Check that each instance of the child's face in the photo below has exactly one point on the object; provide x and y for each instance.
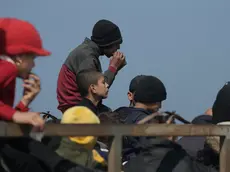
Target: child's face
(109, 51)
(25, 64)
(101, 89)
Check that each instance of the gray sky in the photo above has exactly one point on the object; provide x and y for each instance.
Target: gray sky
(184, 43)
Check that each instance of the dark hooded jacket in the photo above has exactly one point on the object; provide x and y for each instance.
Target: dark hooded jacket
(196, 143)
(161, 155)
(26, 155)
(131, 115)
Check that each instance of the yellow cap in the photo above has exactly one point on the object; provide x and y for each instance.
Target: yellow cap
(80, 115)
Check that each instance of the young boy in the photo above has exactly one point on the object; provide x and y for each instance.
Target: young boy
(105, 40)
(147, 98)
(93, 89)
(20, 45)
(132, 88)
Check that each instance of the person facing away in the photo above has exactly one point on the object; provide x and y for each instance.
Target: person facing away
(93, 88)
(146, 99)
(194, 144)
(20, 45)
(148, 96)
(132, 88)
(213, 144)
(160, 154)
(105, 40)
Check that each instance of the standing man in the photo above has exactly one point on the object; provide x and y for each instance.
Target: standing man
(105, 40)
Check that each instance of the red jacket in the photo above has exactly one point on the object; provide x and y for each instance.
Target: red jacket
(85, 56)
(8, 74)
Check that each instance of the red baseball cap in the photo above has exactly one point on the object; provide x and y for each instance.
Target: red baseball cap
(18, 37)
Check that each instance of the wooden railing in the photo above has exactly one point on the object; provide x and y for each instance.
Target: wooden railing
(15, 130)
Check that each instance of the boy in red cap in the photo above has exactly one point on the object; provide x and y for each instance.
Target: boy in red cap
(20, 44)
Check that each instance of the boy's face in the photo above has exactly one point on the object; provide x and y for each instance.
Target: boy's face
(101, 88)
(109, 51)
(25, 64)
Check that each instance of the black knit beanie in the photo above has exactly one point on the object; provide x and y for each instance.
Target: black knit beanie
(134, 82)
(150, 90)
(106, 33)
(221, 106)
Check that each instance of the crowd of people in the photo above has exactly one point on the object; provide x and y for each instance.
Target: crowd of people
(81, 88)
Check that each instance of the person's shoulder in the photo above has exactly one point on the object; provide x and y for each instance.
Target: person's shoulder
(8, 66)
(188, 163)
(82, 51)
(8, 71)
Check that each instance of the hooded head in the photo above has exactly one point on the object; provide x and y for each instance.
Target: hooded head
(221, 106)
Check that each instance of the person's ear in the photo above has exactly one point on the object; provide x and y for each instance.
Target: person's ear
(130, 96)
(92, 88)
(208, 112)
(18, 60)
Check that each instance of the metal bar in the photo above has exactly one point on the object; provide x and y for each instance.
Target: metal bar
(225, 155)
(115, 155)
(15, 130)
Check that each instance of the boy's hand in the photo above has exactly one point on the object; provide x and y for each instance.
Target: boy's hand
(31, 89)
(32, 118)
(118, 60)
(123, 64)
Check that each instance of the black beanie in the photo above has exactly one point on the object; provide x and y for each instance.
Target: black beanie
(134, 83)
(150, 90)
(106, 33)
(221, 106)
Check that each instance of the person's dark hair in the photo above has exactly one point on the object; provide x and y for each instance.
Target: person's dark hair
(85, 78)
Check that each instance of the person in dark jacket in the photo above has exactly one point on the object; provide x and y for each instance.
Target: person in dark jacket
(26, 154)
(132, 88)
(147, 99)
(213, 144)
(162, 155)
(148, 96)
(196, 143)
(105, 40)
